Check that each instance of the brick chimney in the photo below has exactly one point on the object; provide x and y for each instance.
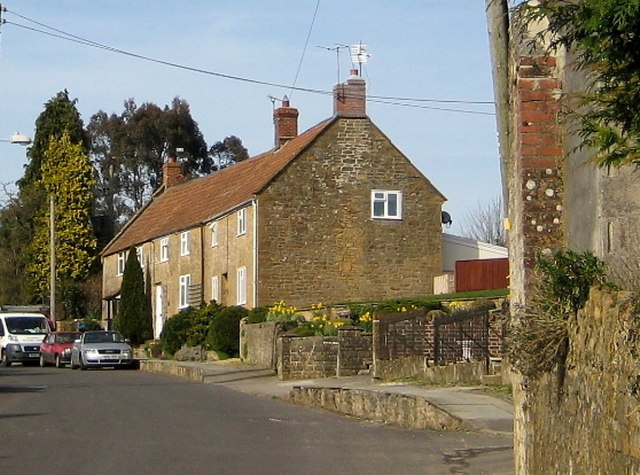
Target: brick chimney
(171, 172)
(285, 119)
(350, 98)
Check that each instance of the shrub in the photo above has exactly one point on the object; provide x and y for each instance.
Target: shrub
(176, 331)
(539, 341)
(258, 315)
(224, 332)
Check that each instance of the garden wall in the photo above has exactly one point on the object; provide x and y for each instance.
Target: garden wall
(258, 343)
(588, 421)
(323, 357)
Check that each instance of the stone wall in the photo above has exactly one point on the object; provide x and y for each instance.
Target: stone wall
(355, 351)
(324, 357)
(307, 357)
(590, 421)
(258, 343)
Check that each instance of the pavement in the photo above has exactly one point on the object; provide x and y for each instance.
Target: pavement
(474, 407)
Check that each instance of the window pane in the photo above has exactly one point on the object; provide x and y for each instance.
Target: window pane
(392, 202)
(378, 208)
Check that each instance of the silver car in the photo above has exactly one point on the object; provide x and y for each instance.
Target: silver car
(96, 349)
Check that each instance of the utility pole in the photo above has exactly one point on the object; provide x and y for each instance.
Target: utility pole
(497, 12)
(52, 258)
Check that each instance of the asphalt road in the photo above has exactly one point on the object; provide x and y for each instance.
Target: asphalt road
(105, 421)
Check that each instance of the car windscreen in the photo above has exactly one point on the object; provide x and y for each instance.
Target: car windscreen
(66, 337)
(103, 337)
(27, 325)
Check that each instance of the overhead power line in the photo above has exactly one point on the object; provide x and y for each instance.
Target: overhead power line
(388, 100)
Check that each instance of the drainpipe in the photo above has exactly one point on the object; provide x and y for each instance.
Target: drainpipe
(255, 252)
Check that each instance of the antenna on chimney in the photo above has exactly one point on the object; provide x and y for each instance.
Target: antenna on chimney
(337, 49)
(359, 55)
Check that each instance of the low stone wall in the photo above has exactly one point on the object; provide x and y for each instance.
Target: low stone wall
(420, 368)
(389, 408)
(307, 357)
(192, 373)
(258, 343)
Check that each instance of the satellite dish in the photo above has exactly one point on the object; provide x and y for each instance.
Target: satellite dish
(446, 219)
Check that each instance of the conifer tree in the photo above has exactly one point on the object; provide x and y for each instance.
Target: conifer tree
(68, 177)
(134, 315)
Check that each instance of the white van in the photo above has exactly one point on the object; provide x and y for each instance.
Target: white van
(21, 335)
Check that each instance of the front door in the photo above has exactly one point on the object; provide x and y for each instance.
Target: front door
(159, 312)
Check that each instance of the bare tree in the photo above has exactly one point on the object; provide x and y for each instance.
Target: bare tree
(485, 223)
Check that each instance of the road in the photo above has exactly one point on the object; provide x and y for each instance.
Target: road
(105, 421)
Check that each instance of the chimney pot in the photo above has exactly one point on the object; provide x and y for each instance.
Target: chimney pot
(285, 119)
(171, 172)
(350, 97)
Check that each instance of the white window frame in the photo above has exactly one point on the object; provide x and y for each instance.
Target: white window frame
(241, 286)
(140, 256)
(382, 197)
(122, 261)
(214, 234)
(183, 290)
(215, 288)
(184, 243)
(242, 221)
(164, 249)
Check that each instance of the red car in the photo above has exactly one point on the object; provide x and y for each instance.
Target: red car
(56, 348)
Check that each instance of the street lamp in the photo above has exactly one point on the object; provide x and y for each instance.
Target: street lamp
(18, 139)
(21, 139)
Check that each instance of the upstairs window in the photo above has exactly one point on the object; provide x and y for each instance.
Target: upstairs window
(386, 204)
(164, 249)
(184, 243)
(214, 234)
(140, 255)
(122, 259)
(242, 221)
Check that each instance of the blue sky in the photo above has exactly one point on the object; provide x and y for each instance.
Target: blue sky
(422, 49)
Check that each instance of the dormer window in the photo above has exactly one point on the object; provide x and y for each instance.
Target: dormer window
(386, 204)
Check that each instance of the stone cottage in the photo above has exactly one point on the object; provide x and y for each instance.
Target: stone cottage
(334, 214)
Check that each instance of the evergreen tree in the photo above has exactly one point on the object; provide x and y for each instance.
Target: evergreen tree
(67, 176)
(59, 116)
(134, 315)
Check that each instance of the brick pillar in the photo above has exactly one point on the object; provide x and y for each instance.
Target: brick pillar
(536, 186)
(536, 191)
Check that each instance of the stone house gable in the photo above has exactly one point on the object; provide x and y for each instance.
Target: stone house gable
(317, 239)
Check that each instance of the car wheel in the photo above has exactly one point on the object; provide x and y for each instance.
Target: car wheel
(71, 365)
(42, 363)
(5, 360)
(81, 363)
(58, 362)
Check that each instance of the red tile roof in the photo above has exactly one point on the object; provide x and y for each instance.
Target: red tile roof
(197, 201)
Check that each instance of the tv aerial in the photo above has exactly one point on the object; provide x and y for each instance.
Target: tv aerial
(359, 55)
